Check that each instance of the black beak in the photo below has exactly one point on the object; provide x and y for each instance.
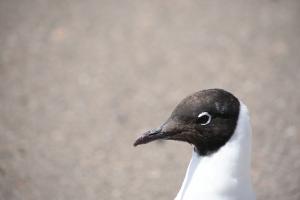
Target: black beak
(166, 132)
(150, 136)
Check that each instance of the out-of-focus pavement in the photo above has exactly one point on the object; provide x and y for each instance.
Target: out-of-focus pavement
(80, 80)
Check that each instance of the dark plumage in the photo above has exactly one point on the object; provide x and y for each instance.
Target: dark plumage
(216, 107)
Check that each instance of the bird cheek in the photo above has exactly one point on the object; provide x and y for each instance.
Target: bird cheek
(199, 129)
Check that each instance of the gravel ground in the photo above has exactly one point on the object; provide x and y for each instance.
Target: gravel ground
(80, 80)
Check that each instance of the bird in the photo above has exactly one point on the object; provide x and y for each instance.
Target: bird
(217, 125)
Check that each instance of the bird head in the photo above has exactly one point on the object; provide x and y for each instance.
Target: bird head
(205, 119)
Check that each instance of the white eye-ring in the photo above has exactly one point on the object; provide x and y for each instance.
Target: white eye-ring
(204, 118)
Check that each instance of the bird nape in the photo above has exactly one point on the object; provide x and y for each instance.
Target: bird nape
(217, 124)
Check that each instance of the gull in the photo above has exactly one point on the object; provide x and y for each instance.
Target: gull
(217, 125)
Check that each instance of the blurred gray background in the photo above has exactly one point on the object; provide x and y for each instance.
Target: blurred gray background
(80, 80)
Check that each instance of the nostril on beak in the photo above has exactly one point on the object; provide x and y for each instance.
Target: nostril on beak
(155, 131)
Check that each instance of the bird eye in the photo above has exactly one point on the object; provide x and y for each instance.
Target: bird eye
(204, 118)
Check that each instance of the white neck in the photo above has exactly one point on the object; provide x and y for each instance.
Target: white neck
(225, 174)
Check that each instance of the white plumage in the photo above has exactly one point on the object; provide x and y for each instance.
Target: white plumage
(225, 174)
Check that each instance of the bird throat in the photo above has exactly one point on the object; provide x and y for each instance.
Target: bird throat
(224, 174)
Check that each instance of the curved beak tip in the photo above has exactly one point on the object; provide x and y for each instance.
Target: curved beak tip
(149, 136)
(138, 141)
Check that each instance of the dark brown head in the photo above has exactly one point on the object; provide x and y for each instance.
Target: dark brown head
(206, 119)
